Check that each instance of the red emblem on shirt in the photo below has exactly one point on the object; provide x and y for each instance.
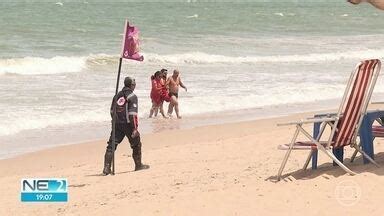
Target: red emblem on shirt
(121, 101)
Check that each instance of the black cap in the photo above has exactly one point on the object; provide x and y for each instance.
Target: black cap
(163, 70)
(128, 81)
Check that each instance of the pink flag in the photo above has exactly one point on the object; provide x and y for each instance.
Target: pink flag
(131, 43)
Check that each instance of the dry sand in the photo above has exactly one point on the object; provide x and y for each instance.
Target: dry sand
(227, 169)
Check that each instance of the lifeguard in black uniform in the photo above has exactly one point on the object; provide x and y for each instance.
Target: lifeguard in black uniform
(126, 105)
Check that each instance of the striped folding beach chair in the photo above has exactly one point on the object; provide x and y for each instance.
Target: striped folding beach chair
(345, 124)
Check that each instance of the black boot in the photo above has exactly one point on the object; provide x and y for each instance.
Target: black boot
(107, 162)
(137, 159)
(140, 166)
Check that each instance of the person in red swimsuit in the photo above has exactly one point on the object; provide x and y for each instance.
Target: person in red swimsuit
(163, 91)
(156, 94)
(164, 88)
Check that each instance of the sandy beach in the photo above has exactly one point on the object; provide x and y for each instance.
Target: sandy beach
(227, 169)
(244, 67)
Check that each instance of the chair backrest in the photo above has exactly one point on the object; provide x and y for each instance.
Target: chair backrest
(355, 102)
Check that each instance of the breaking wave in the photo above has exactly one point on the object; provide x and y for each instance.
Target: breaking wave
(72, 64)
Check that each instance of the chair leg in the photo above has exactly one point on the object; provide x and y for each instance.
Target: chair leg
(358, 149)
(354, 155)
(327, 152)
(287, 154)
(308, 159)
(330, 154)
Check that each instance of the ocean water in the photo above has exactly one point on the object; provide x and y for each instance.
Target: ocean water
(59, 60)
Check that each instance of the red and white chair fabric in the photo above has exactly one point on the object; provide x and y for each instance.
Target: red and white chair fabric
(378, 131)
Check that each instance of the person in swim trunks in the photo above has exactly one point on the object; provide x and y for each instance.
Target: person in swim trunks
(174, 82)
(174, 94)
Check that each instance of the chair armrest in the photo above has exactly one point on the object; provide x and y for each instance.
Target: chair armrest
(377, 102)
(325, 115)
(307, 121)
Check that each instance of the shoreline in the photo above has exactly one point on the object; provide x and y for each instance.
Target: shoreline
(15, 144)
(229, 167)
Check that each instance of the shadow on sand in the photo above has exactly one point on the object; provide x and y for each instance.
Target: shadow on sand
(357, 166)
(101, 174)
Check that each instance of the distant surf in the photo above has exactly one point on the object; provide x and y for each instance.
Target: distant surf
(71, 64)
(39, 65)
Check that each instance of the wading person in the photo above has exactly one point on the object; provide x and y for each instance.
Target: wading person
(174, 82)
(164, 91)
(156, 95)
(126, 105)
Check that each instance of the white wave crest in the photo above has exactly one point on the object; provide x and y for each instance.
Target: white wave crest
(37, 65)
(193, 16)
(43, 120)
(71, 64)
(54, 65)
(204, 58)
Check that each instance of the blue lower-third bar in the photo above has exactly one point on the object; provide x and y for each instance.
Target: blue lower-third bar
(44, 197)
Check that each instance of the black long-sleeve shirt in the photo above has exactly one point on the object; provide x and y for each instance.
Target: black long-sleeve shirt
(126, 104)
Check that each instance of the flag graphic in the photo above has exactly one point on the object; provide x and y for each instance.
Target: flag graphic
(131, 43)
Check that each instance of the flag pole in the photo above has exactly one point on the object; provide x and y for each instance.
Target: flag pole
(128, 44)
(114, 118)
(114, 102)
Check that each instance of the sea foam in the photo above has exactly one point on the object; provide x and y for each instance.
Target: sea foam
(71, 64)
(38, 65)
(204, 58)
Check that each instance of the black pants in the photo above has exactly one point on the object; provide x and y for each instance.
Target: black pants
(125, 130)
